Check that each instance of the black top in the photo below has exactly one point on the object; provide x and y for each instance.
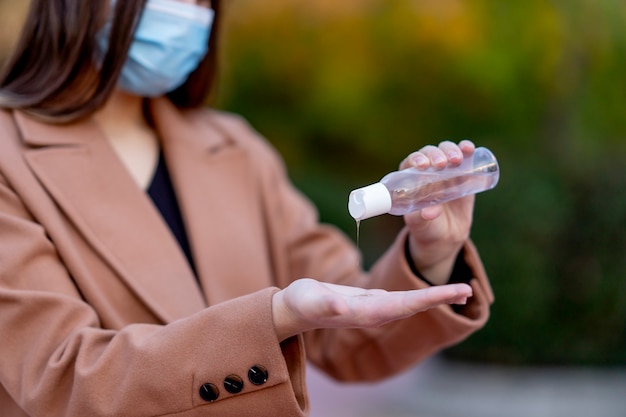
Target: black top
(163, 196)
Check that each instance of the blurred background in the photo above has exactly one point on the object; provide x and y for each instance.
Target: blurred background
(346, 89)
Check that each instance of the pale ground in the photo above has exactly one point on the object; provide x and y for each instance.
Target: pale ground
(438, 388)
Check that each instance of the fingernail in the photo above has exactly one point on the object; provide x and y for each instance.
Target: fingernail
(437, 159)
(419, 160)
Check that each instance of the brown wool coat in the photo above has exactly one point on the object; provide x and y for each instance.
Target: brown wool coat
(101, 315)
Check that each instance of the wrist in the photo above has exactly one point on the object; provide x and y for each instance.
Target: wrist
(434, 266)
(285, 324)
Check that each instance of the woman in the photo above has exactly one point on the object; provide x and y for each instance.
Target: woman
(154, 257)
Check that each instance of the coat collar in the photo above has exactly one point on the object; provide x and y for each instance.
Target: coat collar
(170, 123)
(79, 168)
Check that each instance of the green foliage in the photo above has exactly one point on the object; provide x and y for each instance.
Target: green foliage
(557, 261)
(347, 89)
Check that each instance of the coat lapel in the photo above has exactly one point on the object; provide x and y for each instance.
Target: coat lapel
(215, 189)
(81, 171)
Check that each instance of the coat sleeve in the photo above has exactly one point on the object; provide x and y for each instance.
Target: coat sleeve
(57, 360)
(306, 248)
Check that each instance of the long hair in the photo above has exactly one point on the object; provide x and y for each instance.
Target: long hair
(52, 73)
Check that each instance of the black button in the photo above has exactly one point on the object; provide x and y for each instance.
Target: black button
(233, 384)
(258, 375)
(209, 392)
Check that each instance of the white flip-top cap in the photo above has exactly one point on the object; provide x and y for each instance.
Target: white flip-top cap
(372, 200)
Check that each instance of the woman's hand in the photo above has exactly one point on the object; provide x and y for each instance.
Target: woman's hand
(308, 304)
(437, 233)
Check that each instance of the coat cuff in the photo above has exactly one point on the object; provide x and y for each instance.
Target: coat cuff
(399, 276)
(271, 375)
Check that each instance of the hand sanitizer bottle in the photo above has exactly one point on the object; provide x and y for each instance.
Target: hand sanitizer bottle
(402, 192)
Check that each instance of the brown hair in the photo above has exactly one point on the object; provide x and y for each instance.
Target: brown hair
(52, 73)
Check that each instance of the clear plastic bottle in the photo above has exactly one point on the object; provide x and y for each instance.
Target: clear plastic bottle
(402, 192)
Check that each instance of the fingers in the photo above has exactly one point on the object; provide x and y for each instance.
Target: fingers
(397, 304)
(373, 310)
(431, 213)
(438, 157)
(467, 147)
(441, 294)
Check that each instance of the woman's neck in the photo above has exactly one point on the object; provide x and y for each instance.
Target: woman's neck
(121, 113)
(135, 142)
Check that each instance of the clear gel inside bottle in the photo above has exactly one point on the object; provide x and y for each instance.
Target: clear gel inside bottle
(402, 192)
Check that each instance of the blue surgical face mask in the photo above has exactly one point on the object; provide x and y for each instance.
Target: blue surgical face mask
(169, 43)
